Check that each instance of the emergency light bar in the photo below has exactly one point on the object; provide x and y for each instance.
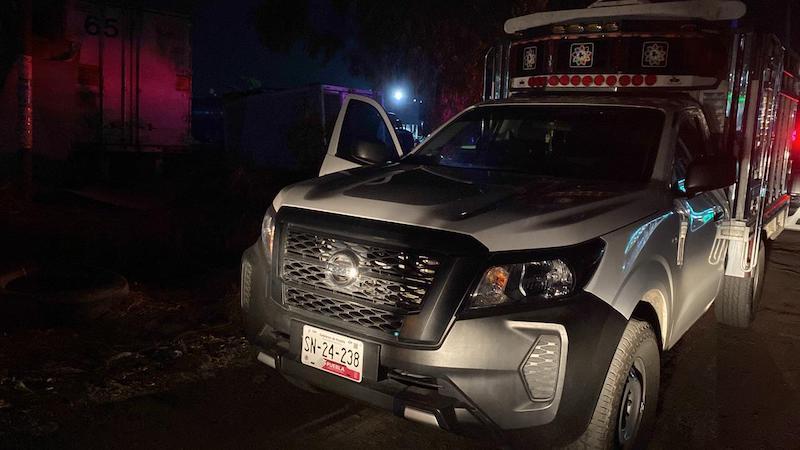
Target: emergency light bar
(711, 10)
(613, 81)
(687, 59)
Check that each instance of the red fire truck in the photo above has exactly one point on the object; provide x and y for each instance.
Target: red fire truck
(747, 82)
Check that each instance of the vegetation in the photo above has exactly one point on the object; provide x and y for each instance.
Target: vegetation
(435, 48)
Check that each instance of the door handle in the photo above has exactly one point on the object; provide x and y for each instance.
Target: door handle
(681, 209)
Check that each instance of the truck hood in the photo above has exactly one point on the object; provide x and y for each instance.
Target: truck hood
(502, 210)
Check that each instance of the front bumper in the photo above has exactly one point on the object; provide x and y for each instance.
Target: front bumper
(469, 383)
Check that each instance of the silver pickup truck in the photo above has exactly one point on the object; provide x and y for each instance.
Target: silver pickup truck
(522, 251)
(518, 274)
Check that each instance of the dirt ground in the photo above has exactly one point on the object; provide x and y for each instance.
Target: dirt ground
(165, 366)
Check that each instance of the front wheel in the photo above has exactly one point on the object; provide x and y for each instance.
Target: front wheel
(625, 412)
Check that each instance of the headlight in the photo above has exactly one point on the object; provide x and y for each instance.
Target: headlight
(268, 232)
(514, 283)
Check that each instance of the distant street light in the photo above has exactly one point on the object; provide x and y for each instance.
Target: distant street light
(398, 94)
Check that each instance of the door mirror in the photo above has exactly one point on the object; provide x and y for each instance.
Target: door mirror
(708, 173)
(406, 139)
(363, 135)
(372, 152)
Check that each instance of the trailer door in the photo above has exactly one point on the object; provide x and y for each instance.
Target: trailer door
(363, 135)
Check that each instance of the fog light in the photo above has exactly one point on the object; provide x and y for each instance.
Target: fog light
(540, 370)
(247, 278)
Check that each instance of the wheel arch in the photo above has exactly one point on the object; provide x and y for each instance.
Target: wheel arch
(652, 310)
(648, 291)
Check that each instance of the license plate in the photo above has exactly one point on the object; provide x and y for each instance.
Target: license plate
(332, 353)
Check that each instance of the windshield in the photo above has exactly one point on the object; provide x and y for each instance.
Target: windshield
(572, 141)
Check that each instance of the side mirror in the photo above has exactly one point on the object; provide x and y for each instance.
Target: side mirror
(708, 173)
(406, 139)
(371, 152)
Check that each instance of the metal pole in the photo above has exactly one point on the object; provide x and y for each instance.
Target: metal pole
(25, 103)
(789, 41)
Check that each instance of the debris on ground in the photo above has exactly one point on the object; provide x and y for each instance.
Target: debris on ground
(154, 340)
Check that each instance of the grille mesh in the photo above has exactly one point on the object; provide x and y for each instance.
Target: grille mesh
(390, 283)
(378, 290)
(350, 312)
(373, 260)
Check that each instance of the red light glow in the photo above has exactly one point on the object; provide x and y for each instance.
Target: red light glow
(611, 80)
(537, 81)
(625, 80)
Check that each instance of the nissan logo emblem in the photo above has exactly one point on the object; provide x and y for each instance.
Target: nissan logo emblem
(342, 268)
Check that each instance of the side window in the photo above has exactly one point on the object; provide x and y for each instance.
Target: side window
(363, 125)
(690, 144)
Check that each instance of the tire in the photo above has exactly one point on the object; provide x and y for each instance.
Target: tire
(738, 299)
(637, 356)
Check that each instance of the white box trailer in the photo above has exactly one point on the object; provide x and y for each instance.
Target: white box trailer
(746, 80)
(107, 78)
(134, 67)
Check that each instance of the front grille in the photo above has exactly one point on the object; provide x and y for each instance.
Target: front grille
(389, 284)
(377, 290)
(343, 310)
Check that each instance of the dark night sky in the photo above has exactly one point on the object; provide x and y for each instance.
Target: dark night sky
(226, 47)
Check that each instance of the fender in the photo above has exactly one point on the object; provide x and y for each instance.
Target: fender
(650, 283)
(646, 274)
